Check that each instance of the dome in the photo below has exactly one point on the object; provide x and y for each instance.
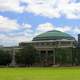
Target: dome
(53, 35)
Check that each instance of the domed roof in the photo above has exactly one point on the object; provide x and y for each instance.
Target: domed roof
(53, 35)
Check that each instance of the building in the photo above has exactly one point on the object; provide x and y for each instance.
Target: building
(46, 45)
(50, 40)
(47, 42)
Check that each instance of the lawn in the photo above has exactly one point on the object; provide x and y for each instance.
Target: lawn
(69, 73)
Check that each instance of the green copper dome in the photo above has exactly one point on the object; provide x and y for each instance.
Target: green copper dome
(53, 35)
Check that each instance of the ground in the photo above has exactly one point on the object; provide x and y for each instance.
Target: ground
(62, 73)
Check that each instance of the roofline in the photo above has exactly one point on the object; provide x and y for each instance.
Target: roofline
(47, 41)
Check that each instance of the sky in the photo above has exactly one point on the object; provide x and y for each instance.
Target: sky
(21, 20)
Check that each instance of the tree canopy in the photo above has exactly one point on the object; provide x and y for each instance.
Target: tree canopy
(26, 56)
(5, 57)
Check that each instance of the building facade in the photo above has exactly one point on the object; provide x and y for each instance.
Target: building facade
(47, 43)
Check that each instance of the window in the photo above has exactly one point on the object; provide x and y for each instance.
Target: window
(65, 43)
(48, 43)
(43, 51)
(41, 43)
(50, 52)
(53, 43)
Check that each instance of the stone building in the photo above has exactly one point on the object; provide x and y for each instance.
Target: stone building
(47, 42)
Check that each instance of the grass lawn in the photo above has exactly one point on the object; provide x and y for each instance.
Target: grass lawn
(69, 73)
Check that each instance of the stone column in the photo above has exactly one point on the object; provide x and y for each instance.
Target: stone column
(59, 44)
(54, 57)
(13, 63)
(40, 57)
(46, 58)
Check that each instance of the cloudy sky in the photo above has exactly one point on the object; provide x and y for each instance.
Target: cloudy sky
(21, 20)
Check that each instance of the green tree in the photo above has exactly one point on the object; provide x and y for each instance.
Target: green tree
(5, 57)
(64, 56)
(76, 56)
(26, 56)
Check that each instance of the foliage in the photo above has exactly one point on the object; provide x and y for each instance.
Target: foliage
(5, 57)
(64, 56)
(26, 56)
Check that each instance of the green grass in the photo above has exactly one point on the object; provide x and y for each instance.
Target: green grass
(69, 73)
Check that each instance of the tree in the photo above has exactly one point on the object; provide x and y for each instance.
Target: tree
(5, 57)
(64, 56)
(76, 56)
(26, 56)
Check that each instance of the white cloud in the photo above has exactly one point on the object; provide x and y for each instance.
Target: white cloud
(27, 26)
(44, 8)
(44, 27)
(14, 32)
(64, 29)
(71, 10)
(47, 8)
(11, 5)
(54, 8)
(76, 30)
(13, 40)
(7, 24)
(48, 26)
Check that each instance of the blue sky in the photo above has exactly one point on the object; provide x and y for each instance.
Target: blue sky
(21, 20)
